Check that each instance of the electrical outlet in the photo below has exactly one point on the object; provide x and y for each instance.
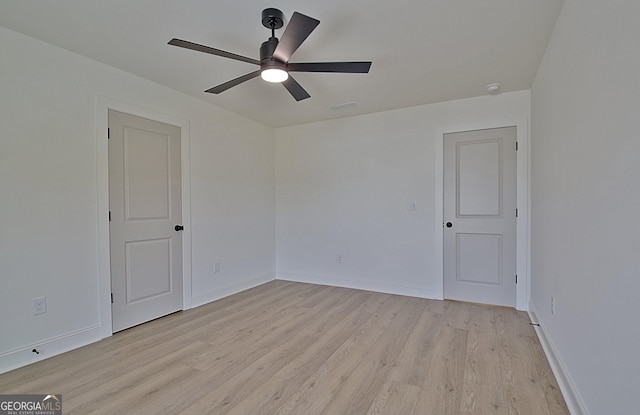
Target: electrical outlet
(553, 306)
(216, 268)
(39, 305)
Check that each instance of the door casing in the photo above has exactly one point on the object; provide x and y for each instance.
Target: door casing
(103, 105)
(522, 195)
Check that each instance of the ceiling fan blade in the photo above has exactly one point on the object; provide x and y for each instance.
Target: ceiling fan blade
(342, 67)
(295, 89)
(230, 84)
(298, 29)
(206, 49)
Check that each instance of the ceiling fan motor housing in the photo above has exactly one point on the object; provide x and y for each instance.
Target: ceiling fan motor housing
(267, 49)
(267, 61)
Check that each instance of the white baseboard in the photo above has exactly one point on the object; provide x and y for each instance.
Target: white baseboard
(23, 356)
(381, 287)
(209, 296)
(568, 388)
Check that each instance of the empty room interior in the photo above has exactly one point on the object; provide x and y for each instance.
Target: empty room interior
(435, 213)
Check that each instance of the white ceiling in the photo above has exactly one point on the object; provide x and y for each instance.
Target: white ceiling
(423, 51)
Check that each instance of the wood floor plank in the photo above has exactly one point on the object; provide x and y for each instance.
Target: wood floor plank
(293, 348)
(442, 389)
(555, 401)
(45, 372)
(481, 393)
(267, 398)
(145, 397)
(270, 317)
(418, 350)
(370, 375)
(314, 394)
(518, 370)
(269, 334)
(241, 385)
(87, 375)
(103, 395)
(208, 317)
(237, 357)
(395, 399)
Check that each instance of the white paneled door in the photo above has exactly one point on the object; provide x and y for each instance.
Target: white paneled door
(480, 216)
(145, 204)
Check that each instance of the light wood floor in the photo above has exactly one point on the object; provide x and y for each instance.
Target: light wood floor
(302, 349)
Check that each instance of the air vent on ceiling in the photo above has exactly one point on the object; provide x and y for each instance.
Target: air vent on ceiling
(344, 106)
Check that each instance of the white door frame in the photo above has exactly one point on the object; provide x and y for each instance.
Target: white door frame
(103, 105)
(523, 204)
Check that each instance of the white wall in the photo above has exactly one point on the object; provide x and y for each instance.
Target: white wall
(343, 187)
(585, 202)
(49, 202)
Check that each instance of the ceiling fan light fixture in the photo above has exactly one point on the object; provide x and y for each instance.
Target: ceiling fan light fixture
(274, 55)
(274, 75)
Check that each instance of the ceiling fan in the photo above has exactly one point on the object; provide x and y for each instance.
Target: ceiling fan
(275, 54)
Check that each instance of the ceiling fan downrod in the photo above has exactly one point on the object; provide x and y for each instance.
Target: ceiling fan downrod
(271, 19)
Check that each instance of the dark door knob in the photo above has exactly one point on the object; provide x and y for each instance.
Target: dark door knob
(449, 224)
(179, 228)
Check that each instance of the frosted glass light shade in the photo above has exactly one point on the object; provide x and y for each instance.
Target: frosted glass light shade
(274, 75)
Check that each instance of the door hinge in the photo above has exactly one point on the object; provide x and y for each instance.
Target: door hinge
(516, 212)
(516, 281)
(516, 146)
(111, 298)
(109, 216)
(108, 133)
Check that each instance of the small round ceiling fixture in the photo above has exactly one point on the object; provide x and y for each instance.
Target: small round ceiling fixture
(274, 75)
(493, 88)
